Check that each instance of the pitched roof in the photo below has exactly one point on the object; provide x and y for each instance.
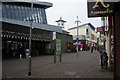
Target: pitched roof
(83, 25)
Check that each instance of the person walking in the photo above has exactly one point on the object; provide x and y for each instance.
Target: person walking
(92, 49)
(21, 51)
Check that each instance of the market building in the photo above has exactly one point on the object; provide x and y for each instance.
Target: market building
(16, 23)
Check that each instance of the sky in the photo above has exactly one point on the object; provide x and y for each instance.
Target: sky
(69, 10)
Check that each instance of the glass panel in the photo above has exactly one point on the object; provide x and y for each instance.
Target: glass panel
(4, 15)
(44, 16)
(40, 16)
(22, 7)
(8, 13)
(7, 6)
(12, 10)
(11, 6)
(13, 15)
(15, 7)
(3, 9)
(16, 13)
(20, 16)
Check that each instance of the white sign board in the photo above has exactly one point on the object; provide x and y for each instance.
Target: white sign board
(54, 35)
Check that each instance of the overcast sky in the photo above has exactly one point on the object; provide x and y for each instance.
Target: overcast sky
(69, 10)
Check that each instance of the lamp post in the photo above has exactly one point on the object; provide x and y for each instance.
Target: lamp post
(103, 19)
(30, 36)
(77, 33)
(60, 24)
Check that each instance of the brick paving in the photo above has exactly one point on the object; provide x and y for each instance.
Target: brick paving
(86, 65)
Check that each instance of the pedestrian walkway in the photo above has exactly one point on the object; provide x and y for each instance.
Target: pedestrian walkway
(86, 65)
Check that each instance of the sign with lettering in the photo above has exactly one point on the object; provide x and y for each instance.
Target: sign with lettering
(99, 8)
(100, 29)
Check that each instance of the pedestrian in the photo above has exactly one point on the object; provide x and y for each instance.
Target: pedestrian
(92, 49)
(21, 51)
(53, 51)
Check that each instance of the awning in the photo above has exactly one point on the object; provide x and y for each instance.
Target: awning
(23, 36)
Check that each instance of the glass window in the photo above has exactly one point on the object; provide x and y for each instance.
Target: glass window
(12, 9)
(25, 7)
(38, 18)
(25, 13)
(28, 9)
(21, 17)
(8, 13)
(22, 7)
(18, 7)
(3, 9)
(15, 7)
(7, 6)
(44, 16)
(16, 13)
(40, 15)
(11, 6)
(33, 16)
(13, 15)
(34, 10)
(4, 15)
(20, 11)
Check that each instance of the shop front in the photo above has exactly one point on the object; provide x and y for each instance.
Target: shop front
(15, 43)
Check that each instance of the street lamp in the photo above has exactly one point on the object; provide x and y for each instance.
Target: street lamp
(30, 36)
(60, 24)
(77, 33)
(103, 19)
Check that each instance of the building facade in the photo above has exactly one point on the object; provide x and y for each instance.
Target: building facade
(17, 18)
(86, 34)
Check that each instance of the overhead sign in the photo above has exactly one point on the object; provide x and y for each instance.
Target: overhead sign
(99, 8)
(100, 29)
(54, 36)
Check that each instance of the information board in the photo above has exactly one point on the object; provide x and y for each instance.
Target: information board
(58, 46)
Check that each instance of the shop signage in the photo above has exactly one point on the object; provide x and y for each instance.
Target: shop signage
(54, 35)
(99, 8)
(103, 38)
(100, 29)
(58, 46)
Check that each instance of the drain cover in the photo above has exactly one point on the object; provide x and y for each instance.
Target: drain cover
(70, 73)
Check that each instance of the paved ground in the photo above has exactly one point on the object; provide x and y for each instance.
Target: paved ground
(86, 65)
